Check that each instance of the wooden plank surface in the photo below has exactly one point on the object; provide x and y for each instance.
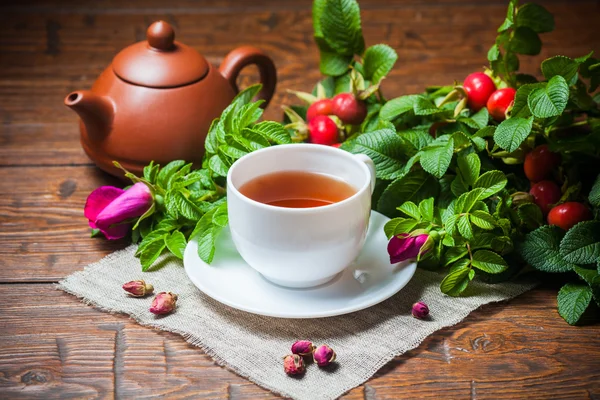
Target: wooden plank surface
(53, 346)
(57, 347)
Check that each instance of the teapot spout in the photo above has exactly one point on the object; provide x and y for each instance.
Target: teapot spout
(95, 111)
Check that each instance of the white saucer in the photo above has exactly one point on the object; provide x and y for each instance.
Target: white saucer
(368, 281)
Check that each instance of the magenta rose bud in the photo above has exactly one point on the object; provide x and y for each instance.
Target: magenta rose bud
(138, 288)
(324, 355)
(163, 303)
(293, 364)
(109, 208)
(420, 310)
(303, 347)
(403, 247)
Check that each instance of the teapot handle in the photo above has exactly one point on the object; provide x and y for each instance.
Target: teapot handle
(243, 56)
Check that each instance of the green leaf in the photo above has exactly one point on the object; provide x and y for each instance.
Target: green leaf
(436, 158)
(251, 140)
(549, 101)
(492, 182)
(424, 106)
(493, 53)
(397, 226)
(482, 240)
(573, 299)
(562, 66)
(414, 140)
(479, 144)
(411, 209)
(426, 209)
(456, 281)
(458, 186)
(398, 106)
(152, 251)
(168, 170)
(220, 217)
(246, 115)
(273, 131)
(176, 244)
(467, 200)
(525, 41)
(489, 262)
(481, 118)
(378, 62)
(206, 233)
(317, 12)
(509, 20)
(186, 207)
(594, 196)
(469, 166)
(512, 132)
(535, 17)
(530, 215)
(454, 254)
(581, 244)
(520, 107)
(464, 227)
(333, 64)
(218, 166)
(384, 147)
(340, 25)
(150, 172)
(540, 249)
(415, 186)
(245, 96)
(232, 152)
(590, 276)
(483, 220)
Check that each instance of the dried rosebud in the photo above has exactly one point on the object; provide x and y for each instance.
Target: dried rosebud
(303, 347)
(138, 288)
(420, 310)
(163, 303)
(293, 364)
(324, 355)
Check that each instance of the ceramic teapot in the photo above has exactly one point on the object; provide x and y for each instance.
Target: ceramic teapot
(157, 99)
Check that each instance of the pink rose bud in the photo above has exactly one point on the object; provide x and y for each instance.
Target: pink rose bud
(404, 247)
(293, 364)
(303, 347)
(420, 310)
(163, 303)
(138, 288)
(110, 209)
(324, 355)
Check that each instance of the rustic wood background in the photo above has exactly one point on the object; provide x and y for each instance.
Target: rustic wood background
(53, 346)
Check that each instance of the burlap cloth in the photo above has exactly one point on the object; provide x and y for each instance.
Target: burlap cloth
(253, 346)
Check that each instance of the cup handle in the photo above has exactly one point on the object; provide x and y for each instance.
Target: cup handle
(367, 160)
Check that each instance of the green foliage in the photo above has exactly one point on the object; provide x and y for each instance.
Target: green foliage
(190, 203)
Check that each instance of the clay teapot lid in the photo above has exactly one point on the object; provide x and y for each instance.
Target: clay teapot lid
(160, 62)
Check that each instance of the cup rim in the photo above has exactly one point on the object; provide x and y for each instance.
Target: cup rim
(318, 147)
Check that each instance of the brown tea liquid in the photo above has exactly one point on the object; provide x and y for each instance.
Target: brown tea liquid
(297, 189)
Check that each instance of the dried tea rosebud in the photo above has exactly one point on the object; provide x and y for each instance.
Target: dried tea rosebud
(303, 347)
(138, 288)
(324, 355)
(420, 310)
(293, 364)
(163, 303)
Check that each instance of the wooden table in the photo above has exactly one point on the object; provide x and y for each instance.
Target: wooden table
(53, 346)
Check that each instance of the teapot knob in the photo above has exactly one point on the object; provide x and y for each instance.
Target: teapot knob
(160, 36)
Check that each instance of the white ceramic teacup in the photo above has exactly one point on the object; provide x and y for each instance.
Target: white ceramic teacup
(300, 247)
